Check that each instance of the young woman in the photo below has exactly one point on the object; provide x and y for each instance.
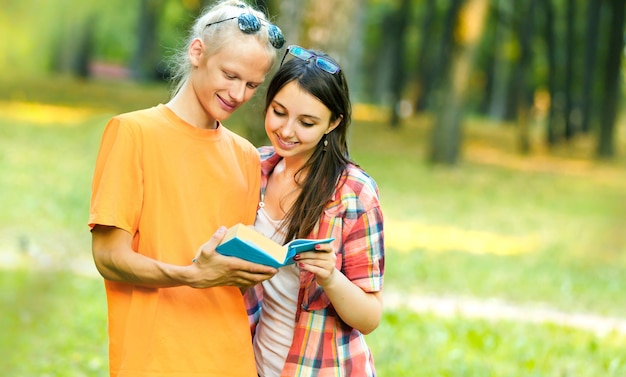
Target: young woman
(309, 319)
(168, 177)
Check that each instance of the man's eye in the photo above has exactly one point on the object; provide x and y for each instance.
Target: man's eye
(253, 86)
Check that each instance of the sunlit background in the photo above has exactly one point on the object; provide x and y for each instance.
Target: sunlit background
(494, 129)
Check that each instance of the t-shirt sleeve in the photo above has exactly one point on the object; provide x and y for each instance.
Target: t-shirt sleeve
(117, 189)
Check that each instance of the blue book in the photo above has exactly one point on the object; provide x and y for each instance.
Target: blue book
(246, 243)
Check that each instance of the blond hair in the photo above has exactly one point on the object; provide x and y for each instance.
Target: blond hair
(216, 36)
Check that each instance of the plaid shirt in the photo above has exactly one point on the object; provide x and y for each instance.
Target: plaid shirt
(323, 345)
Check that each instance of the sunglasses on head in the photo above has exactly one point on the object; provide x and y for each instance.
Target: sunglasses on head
(321, 62)
(250, 24)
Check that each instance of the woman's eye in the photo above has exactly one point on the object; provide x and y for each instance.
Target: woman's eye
(307, 124)
(278, 113)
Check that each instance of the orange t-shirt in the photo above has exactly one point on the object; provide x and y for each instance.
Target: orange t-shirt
(171, 185)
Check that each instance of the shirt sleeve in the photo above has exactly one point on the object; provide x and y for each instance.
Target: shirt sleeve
(117, 188)
(364, 250)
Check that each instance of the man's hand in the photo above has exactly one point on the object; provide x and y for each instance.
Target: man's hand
(210, 269)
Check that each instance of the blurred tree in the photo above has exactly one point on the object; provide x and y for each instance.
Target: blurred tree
(290, 19)
(523, 93)
(425, 61)
(397, 29)
(71, 46)
(147, 56)
(588, 76)
(380, 55)
(575, 46)
(503, 53)
(444, 52)
(550, 43)
(606, 148)
(84, 53)
(336, 26)
(446, 134)
(571, 124)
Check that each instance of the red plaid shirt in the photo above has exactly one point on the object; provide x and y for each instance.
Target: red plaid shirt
(323, 345)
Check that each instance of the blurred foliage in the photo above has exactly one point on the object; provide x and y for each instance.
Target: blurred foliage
(543, 229)
(47, 40)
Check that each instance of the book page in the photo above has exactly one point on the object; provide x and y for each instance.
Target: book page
(248, 234)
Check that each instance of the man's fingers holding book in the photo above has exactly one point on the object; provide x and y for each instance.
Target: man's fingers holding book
(212, 243)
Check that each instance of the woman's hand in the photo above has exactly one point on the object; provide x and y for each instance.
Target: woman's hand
(359, 309)
(321, 262)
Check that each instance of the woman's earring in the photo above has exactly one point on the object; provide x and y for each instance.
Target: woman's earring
(325, 142)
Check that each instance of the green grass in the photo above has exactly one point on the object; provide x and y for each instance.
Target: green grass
(53, 324)
(540, 229)
(425, 345)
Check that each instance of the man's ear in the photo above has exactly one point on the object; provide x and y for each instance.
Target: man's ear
(334, 124)
(196, 49)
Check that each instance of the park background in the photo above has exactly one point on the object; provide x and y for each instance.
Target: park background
(495, 130)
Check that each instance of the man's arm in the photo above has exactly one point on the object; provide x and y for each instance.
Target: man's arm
(116, 261)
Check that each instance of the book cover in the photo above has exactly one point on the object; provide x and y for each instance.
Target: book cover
(246, 243)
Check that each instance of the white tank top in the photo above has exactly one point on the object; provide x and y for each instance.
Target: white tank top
(274, 332)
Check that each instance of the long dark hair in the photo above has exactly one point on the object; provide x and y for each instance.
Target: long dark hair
(325, 167)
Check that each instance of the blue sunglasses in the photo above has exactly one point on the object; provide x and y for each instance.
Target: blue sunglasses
(250, 24)
(321, 62)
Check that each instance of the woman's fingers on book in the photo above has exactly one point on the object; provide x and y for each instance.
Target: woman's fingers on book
(318, 257)
(325, 247)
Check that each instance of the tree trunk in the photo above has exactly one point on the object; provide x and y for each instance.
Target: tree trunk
(145, 61)
(570, 127)
(446, 45)
(84, 52)
(384, 63)
(551, 126)
(425, 62)
(522, 100)
(398, 53)
(591, 41)
(446, 134)
(502, 64)
(605, 148)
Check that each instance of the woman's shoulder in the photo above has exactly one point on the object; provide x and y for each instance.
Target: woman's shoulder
(357, 180)
(356, 189)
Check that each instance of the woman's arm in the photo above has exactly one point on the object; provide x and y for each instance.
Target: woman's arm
(357, 308)
(363, 262)
(116, 261)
